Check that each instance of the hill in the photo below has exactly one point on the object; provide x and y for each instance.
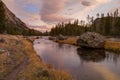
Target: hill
(107, 26)
(10, 24)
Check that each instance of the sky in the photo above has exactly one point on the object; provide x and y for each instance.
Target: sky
(44, 14)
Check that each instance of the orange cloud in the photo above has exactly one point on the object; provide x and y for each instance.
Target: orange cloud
(103, 1)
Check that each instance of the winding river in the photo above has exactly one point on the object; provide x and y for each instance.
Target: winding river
(82, 64)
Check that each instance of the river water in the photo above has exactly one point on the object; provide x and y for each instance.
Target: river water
(82, 64)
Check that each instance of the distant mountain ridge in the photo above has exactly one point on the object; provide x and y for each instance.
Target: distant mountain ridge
(10, 24)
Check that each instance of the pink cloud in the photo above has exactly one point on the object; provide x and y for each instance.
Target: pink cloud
(53, 18)
(86, 3)
(42, 28)
(51, 10)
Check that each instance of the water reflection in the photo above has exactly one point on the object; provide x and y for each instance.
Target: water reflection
(91, 55)
(112, 57)
(60, 46)
(79, 62)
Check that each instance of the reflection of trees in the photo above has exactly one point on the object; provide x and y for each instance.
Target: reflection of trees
(63, 46)
(91, 54)
(112, 57)
(60, 46)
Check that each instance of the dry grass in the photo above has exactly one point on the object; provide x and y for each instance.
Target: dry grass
(109, 45)
(70, 40)
(112, 45)
(35, 68)
(12, 56)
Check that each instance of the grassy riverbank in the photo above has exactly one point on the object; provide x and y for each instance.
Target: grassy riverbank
(19, 61)
(70, 40)
(11, 54)
(112, 45)
(109, 45)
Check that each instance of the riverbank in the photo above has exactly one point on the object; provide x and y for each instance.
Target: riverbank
(19, 61)
(69, 40)
(109, 44)
(112, 45)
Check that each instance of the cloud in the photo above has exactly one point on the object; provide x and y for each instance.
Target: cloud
(41, 28)
(32, 19)
(114, 9)
(51, 10)
(89, 10)
(13, 6)
(21, 12)
(28, 17)
(93, 2)
(86, 3)
(53, 18)
(103, 1)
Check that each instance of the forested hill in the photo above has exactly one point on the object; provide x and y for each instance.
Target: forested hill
(10, 24)
(107, 25)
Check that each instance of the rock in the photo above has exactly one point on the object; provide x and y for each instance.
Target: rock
(57, 38)
(61, 37)
(43, 73)
(5, 52)
(52, 38)
(2, 40)
(91, 40)
(2, 50)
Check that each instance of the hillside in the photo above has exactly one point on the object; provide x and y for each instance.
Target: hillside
(107, 26)
(10, 24)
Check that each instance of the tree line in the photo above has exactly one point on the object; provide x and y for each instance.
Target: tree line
(108, 25)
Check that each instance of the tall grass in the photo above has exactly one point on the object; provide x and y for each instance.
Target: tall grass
(112, 45)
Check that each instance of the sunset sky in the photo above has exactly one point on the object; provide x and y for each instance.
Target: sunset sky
(42, 14)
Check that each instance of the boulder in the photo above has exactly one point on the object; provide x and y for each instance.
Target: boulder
(61, 37)
(2, 40)
(91, 40)
(52, 38)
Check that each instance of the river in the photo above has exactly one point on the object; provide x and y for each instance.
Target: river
(82, 64)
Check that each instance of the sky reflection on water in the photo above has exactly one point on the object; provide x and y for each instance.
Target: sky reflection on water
(80, 63)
